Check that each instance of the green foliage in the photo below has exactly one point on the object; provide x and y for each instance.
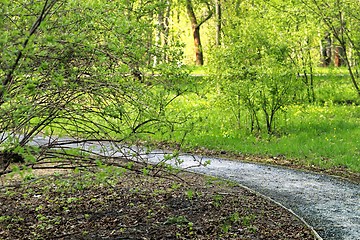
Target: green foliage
(322, 134)
(254, 71)
(96, 70)
(217, 200)
(190, 194)
(235, 218)
(4, 218)
(179, 220)
(84, 70)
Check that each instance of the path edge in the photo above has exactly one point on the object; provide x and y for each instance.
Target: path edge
(314, 232)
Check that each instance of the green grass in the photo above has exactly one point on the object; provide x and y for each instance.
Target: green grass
(335, 89)
(325, 134)
(198, 70)
(331, 70)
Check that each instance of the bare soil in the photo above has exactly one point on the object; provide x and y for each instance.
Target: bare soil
(118, 204)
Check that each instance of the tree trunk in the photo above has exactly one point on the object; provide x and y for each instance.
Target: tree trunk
(218, 22)
(167, 22)
(196, 34)
(338, 56)
(199, 60)
(162, 30)
(326, 50)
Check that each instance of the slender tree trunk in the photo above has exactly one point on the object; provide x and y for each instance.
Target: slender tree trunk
(199, 60)
(162, 32)
(218, 22)
(166, 22)
(158, 31)
(351, 72)
(311, 77)
(326, 50)
(195, 26)
(196, 34)
(340, 35)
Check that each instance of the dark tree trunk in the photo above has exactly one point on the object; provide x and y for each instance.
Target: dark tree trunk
(195, 26)
(338, 56)
(198, 47)
(326, 50)
(167, 23)
(218, 22)
(196, 33)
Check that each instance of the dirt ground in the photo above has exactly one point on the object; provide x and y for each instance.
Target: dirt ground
(118, 204)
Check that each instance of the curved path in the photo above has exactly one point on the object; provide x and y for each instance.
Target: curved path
(328, 204)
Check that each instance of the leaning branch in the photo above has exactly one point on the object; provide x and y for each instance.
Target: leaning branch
(10, 75)
(209, 15)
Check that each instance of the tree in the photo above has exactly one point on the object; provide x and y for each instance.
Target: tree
(70, 68)
(254, 68)
(326, 44)
(195, 26)
(341, 18)
(163, 27)
(218, 22)
(301, 31)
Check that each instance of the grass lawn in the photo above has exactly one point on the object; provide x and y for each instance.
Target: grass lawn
(324, 134)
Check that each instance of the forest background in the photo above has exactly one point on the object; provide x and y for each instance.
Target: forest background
(275, 80)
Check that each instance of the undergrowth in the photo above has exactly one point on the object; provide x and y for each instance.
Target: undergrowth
(324, 133)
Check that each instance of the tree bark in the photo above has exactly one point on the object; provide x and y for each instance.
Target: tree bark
(218, 22)
(199, 57)
(162, 30)
(326, 50)
(195, 26)
(338, 56)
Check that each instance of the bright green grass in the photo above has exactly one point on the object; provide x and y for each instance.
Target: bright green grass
(325, 135)
(336, 89)
(198, 70)
(331, 70)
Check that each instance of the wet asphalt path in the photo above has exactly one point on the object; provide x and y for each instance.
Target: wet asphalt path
(328, 204)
